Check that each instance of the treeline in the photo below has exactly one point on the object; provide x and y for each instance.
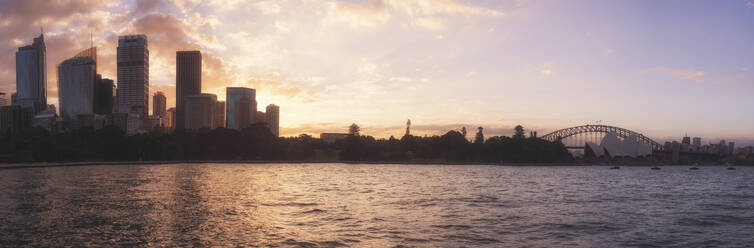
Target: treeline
(257, 143)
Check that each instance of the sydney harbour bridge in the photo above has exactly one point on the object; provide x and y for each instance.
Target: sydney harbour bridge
(576, 137)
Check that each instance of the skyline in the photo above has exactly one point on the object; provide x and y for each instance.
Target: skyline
(340, 59)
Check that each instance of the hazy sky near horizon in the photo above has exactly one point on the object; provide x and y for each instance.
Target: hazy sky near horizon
(663, 68)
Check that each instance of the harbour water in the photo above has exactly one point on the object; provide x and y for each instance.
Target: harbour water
(373, 205)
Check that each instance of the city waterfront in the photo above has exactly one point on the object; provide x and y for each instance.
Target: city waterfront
(376, 205)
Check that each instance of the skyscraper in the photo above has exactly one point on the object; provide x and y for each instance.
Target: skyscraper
(31, 75)
(219, 113)
(133, 74)
(273, 119)
(240, 107)
(159, 105)
(76, 80)
(200, 111)
(188, 81)
(104, 96)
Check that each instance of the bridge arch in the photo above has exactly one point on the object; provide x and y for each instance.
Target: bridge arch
(620, 132)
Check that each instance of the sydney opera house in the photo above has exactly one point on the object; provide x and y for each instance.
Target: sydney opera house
(612, 146)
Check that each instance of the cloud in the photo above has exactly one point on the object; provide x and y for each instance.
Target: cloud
(750, 4)
(607, 52)
(425, 14)
(690, 74)
(546, 72)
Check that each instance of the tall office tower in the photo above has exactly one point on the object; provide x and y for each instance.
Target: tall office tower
(3, 100)
(76, 79)
(273, 119)
(188, 82)
(14, 98)
(240, 107)
(104, 96)
(159, 105)
(133, 74)
(31, 75)
(219, 120)
(200, 111)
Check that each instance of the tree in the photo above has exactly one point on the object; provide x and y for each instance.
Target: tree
(479, 139)
(463, 132)
(519, 132)
(353, 130)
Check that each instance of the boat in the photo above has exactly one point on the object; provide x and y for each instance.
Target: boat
(694, 166)
(615, 168)
(729, 167)
(655, 168)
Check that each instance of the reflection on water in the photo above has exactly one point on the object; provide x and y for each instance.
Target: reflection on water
(326, 205)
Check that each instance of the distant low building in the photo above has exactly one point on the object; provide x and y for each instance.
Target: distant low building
(14, 118)
(332, 137)
(4, 99)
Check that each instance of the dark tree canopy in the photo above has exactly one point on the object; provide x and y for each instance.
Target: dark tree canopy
(257, 143)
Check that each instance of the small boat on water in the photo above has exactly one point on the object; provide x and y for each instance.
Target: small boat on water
(655, 168)
(615, 168)
(729, 167)
(694, 166)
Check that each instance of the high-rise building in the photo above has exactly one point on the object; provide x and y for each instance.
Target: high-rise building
(104, 96)
(240, 107)
(170, 120)
(200, 111)
(76, 80)
(731, 147)
(219, 120)
(133, 74)
(188, 81)
(31, 75)
(159, 105)
(14, 98)
(273, 119)
(3, 99)
(696, 143)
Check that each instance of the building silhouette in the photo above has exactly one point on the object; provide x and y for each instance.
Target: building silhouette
(4, 99)
(104, 96)
(13, 119)
(31, 76)
(240, 107)
(170, 120)
(188, 82)
(219, 114)
(133, 74)
(200, 111)
(261, 117)
(272, 117)
(159, 105)
(76, 82)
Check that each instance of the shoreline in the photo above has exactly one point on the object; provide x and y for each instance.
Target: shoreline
(95, 163)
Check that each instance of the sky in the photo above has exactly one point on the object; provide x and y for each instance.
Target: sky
(661, 68)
